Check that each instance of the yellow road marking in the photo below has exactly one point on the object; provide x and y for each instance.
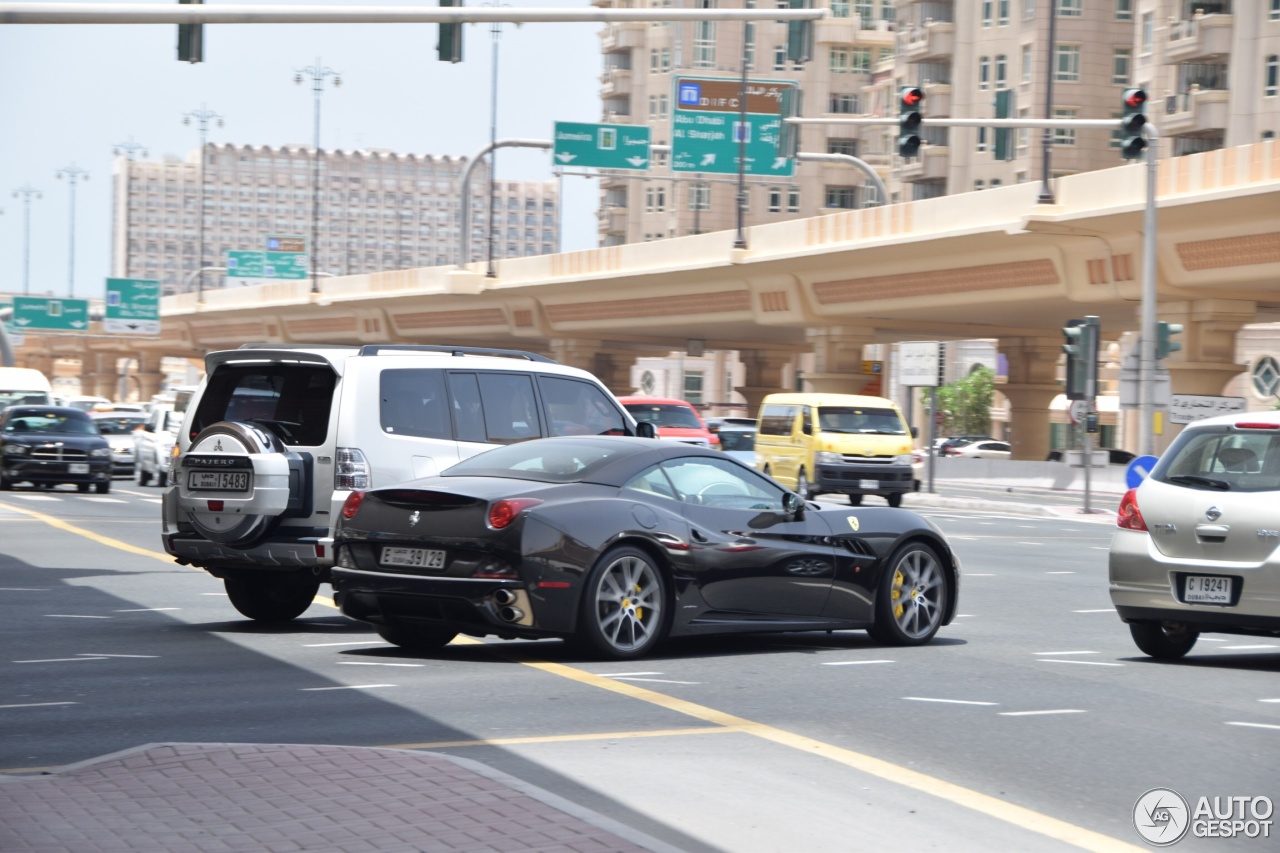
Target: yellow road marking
(982, 803)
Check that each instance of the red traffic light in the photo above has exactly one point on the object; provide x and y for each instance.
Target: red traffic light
(1135, 98)
(912, 97)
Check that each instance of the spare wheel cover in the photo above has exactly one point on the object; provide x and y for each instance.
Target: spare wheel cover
(246, 516)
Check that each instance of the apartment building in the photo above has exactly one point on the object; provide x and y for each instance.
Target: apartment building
(378, 210)
(1212, 70)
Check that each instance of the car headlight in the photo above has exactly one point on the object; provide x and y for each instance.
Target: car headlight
(904, 459)
(16, 450)
(826, 457)
(100, 452)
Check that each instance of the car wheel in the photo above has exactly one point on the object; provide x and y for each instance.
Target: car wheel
(623, 605)
(82, 488)
(272, 598)
(855, 500)
(162, 479)
(802, 486)
(1161, 641)
(144, 476)
(5, 483)
(416, 639)
(103, 488)
(911, 597)
(894, 499)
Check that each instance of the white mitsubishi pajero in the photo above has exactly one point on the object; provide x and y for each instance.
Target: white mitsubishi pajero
(276, 437)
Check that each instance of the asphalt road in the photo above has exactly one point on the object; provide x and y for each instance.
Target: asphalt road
(1030, 723)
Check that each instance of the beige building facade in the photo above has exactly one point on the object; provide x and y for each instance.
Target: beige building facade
(379, 210)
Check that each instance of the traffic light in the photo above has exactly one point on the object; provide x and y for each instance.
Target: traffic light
(1132, 118)
(1081, 348)
(799, 34)
(191, 38)
(449, 47)
(1164, 334)
(910, 115)
(1004, 135)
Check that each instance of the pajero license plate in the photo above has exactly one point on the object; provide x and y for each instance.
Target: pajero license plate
(220, 481)
(1207, 589)
(416, 558)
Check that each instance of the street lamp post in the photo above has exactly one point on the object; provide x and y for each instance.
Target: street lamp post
(202, 118)
(73, 174)
(26, 193)
(317, 73)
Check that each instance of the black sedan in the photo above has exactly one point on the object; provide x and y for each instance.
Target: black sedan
(617, 542)
(51, 445)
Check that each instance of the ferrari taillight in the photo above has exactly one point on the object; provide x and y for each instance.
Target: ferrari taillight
(352, 504)
(503, 512)
(1129, 516)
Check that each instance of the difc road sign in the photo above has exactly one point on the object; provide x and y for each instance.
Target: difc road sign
(59, 315)
(268, 266)
(132, 306)
(706, 126)
(601, 146)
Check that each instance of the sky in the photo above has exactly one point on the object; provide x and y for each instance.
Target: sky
(70, 94)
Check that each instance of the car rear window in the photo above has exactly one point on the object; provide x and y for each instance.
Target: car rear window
(292, 400)
(1223, 460)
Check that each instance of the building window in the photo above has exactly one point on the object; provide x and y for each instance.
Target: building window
(775, 200)
(1071, 8)
(693, 387)
(1003, 13)
(838, 60)
(982, 139)
(780, 58)
(1066, 68)
(984, 72)
(979, 185)
(843, 198)
(839, 8)
(988, 12)
(865, 10)
(1121, 61)
(1124, 10)
(1002, 71)
(704, 39)
(1064, 135)
(1148, 32)
(655, 199)
(1271, 86)
(793, 200)
(1027, 60)
(844, 104)
(842, 145)
(700, 197)
(1024, 133)
(1275, 10)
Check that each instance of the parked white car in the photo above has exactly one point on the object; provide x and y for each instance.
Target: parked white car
(981, 450)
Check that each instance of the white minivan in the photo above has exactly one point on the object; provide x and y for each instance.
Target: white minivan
(24, 386)
(276, 437)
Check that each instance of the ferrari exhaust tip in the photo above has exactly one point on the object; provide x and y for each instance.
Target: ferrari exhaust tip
(510, 614)
(504, 597)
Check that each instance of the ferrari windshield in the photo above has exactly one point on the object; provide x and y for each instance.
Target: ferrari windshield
(544, 461)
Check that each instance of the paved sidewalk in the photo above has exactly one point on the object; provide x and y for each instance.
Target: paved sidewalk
(279, 797)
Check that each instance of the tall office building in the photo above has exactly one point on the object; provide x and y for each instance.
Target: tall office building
(379, 210)
(1212, 70)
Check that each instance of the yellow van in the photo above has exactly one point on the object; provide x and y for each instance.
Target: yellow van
(836, 444)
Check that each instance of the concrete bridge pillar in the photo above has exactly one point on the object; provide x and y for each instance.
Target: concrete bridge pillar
(593, 356)
(764, 375)
(147, 377)
(1032, 385)
(837, 359)
(98, 375)
(1206, 361)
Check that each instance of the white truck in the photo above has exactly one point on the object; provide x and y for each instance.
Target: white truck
(153, 445)
(24, 386)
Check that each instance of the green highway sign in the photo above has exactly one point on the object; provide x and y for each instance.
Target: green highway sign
(601, 146)
(132, 306)
(267, 265)
(31, 313)
(245, 264)
(707, 126)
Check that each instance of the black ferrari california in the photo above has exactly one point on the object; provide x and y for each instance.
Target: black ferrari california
(616, 543)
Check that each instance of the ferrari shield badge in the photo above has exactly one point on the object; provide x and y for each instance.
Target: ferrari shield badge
(853, 522)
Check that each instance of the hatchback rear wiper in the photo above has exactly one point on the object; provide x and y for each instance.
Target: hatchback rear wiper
(1193, 480)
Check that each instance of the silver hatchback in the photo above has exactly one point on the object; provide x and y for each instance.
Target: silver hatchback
(1197, 549)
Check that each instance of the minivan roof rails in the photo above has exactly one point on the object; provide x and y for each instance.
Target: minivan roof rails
(377, 349)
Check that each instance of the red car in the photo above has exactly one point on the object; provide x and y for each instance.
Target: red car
(674, 419)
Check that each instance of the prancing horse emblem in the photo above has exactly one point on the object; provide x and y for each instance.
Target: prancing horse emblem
(413, 517)
(853, 522)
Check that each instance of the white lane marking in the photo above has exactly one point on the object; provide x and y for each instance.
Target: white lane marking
(1259, 646)
(98, 500)
(1028, 543)
(375, 663)
(1269, 700)
(1100, 610)
(1099, 547)
(59, 660)
(350, 687)
(1253, 725)
(967, 538)
(98, 655)
(353, 643)
(964, 615)
(1081, 662)
(24, 589)
(73, 616)
(973, 575)
(1214, 640)
(1059, 573)
(152, 501)
(1027, 526)
(948, 701)
(37, 497)
(855, 662)
(148, 609)
(1040, 713)
(39, 704)
(625, 674)
(1057, 654)
(654, 680)
(220, 594)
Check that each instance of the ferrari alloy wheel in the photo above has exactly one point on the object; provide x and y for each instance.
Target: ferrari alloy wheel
(623, 611)
(912, 597)
(1163, 641)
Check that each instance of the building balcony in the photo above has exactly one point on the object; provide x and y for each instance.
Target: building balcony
(621, 36)
(937, 99)
(932, 164)
(615, 83)
(931, 41)
(1196, 112)
(852, 31)
(612, 220)
(1201, 37)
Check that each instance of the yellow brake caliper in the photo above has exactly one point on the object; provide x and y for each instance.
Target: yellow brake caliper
(897, 593)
